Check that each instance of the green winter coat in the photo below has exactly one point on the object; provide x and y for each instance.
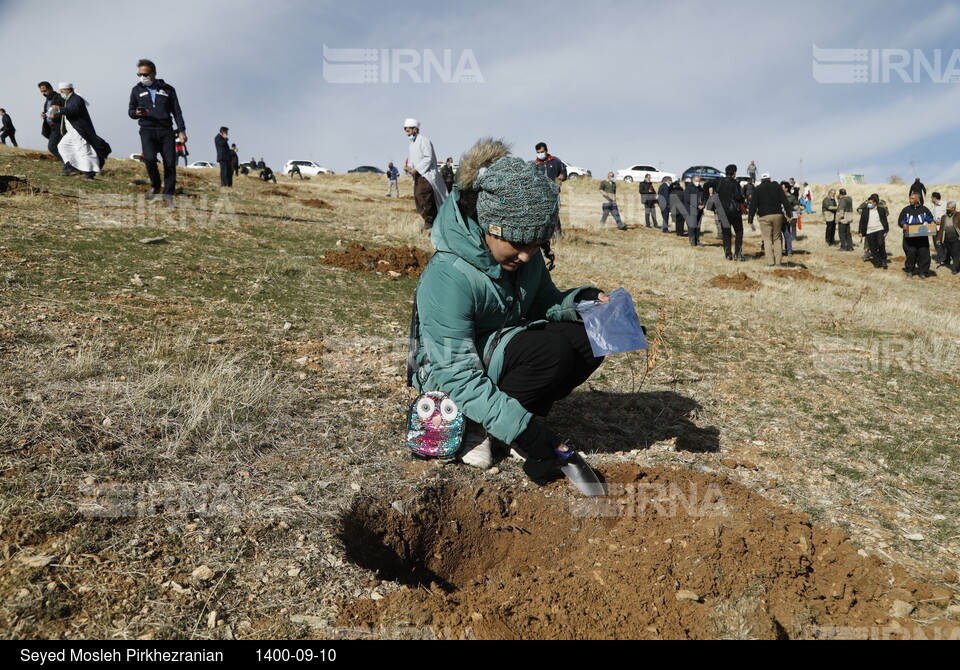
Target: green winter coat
(462, 299)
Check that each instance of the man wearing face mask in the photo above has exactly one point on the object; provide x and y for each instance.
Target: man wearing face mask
(549, 165)
(155, 105)
(429, 191)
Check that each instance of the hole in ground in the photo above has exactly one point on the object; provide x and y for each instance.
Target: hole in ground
(672, 554)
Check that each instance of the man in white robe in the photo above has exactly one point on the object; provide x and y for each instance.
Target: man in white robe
(429, 191)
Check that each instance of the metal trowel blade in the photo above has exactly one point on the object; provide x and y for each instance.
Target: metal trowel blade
(582, 476)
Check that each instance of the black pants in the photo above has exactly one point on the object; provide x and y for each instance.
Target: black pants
(831, 232)
(917, 250)
(11, 134)
(878, 249)
(153, 142)
(226, 173)
(426, 200)
(951, 253)
(543, 364)
(53, 141)
(846, 240)
(735, 228)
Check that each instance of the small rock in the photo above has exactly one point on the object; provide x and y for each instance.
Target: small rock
(215, 340)
(953, 611)
(203, 574)
(688, 595)
(37, 561)
(901, 609)
(493, 471)
(287, 325)
(212, 619)
(476, 616)
(376, 595)
(748, 465)
(729, 463)
(397, 505)
(355, 486)
(950, 576)
(107, 422)
(914, 537)
(153, 240)
(52, 586)
(314, 622)
(137, 280)
(295, 572)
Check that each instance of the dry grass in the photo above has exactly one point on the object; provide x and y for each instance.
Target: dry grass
(238, 439)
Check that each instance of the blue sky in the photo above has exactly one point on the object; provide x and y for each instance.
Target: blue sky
(605, 84)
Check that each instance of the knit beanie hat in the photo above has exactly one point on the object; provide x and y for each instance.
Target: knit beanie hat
(516, 201)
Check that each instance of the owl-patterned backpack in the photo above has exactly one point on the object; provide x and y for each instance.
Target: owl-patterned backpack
(435, 426)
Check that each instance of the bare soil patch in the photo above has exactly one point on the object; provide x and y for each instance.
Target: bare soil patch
(405, 260)
(800, 274)
(740, 281)
(318, 204)
(41, 157)
(676, 554)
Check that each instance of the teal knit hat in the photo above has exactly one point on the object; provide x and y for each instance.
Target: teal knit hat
(516, 202)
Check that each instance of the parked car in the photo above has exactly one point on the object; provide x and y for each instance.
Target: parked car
(307, 168)
(640, 170)
(366, 168)
(705, 172)
(202, 165)
(136, 157)
(576, 172)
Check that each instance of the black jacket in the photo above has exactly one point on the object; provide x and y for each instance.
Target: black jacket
(6, 124)
(865, 219)
(55, 99)
(551, 166)
(162, 113)
(75, 110)
(223, 148)
(727, 190)
(768, 198)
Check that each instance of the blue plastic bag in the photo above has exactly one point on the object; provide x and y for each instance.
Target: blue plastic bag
(612, 327)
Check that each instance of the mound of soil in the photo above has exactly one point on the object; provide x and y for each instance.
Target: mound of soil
(342, 190)
(800, 274)
(11, 184)
(674, 554)
(898, 259)
(277, 191)
(405, 260)
(319, 204)
(739, 281)
(41, 157)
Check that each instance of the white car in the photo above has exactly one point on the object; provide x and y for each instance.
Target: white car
(640, 170)
(307, 168)
(203, 164)
(576, 172)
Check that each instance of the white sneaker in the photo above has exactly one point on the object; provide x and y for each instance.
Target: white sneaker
(476, 451)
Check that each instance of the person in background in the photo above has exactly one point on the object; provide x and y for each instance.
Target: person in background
(844, 219)
(752, 171)
(728, 201)
(551, 166)
(663, 199)
(918, 188)
(608, 189)
(7, 129)
(648, 196)
(874, 227)
(807, 198)
(83, 151)
(429, 191)
(235, 160)
(51, 128)
(790, 230)
(937, 209)
(392, 175)
(155, 106)
(223, 157)
(917, 249)
(694, 200)
(948, 236)
(770, 203)
(446, 173)
(829, 208)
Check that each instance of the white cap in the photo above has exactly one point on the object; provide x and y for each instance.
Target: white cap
(65, 84)
(411, 123)
(765, 175)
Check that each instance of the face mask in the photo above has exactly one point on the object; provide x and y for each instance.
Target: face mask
(146, 80)
(870, 205)
(696, 183)
(412, 138)
(542, 156)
